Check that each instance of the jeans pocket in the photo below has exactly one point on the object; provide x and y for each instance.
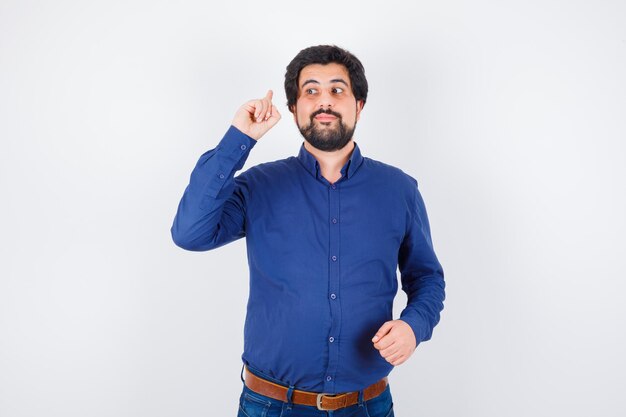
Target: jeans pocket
(253, 406)
(380, 406)
(378, 412)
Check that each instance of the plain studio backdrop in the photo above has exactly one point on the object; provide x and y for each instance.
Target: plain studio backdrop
(511, 115)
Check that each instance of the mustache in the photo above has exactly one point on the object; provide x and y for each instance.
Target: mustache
(327, 111)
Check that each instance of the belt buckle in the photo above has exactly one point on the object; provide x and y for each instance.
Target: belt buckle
(319, 401)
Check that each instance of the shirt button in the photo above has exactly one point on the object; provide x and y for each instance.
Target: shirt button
(331, 339)
(221, 175)
(333, 186)
(328, 378)
(334, 258)
(334, 220)
(333, 296)
(243, 147)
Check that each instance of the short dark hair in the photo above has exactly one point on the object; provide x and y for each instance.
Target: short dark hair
(324, 54)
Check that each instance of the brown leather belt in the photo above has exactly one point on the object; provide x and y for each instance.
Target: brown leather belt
(322, 400)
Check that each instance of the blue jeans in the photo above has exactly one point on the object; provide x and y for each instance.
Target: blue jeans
(252, 404)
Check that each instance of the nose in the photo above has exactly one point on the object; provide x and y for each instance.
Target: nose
(326, 100)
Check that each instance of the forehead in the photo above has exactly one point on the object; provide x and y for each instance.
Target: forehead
(323, 73)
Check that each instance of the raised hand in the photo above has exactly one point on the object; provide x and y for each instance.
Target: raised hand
(256, 117)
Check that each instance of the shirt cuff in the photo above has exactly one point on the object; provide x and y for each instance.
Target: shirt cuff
(230, 155)
(412, 318)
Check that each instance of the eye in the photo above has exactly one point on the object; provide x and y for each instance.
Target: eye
(310, 91)
(337, 90)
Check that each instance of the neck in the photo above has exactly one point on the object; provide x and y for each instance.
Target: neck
(331, 162)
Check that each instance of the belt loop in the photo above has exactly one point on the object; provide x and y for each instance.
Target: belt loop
(241, 376)
(361, 398)
(289, 395)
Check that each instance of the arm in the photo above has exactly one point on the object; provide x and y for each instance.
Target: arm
(422, 281)
(211, 212)
(421, 274)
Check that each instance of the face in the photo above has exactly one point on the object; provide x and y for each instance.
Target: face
(326, 111)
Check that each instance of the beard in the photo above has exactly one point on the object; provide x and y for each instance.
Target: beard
(327, 138)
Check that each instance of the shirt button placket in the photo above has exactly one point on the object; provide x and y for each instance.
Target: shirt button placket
(335, 308)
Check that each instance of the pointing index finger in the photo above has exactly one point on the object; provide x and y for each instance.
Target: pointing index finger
(269, 95)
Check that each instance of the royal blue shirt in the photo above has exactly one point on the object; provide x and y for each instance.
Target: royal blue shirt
(322, 258)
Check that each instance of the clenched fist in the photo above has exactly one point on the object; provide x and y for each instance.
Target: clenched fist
(395, 341)
(256, 117)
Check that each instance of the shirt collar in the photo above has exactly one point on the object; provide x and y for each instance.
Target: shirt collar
(310, 163)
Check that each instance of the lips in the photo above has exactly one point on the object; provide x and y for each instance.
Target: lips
(325, 117)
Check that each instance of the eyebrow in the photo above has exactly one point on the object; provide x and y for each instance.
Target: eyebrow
(312, 81)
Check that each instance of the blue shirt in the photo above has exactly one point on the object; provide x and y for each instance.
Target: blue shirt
(322, 258)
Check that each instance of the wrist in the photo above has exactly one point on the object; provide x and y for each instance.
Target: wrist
(244, 131)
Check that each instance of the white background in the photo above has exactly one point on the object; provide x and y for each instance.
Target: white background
(511, 115)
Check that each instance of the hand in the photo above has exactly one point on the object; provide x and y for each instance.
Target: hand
(256, 117)
(395, 341)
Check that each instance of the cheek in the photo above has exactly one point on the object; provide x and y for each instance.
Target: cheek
(350, 115)
(303, 115)
(300, 119)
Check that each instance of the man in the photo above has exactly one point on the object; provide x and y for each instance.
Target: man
(325, 231)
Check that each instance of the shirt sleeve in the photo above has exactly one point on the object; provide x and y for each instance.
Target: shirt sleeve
(421, 274)
(211, 212)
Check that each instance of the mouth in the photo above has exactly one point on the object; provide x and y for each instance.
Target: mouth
(325, 117)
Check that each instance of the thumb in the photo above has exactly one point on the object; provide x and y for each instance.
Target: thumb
(384, 329)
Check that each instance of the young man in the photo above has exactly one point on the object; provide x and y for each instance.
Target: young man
(325, 231)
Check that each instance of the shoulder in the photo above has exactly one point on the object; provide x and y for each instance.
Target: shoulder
(391, 173)
(269, 170)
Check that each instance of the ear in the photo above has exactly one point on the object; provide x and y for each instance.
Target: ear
(359, 107)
